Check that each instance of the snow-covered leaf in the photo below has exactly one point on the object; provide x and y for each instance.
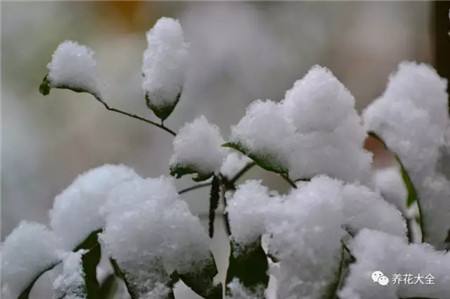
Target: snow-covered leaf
(248, 264)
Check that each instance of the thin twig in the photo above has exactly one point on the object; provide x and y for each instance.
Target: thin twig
(194, 187)
(161, 126)
(290, 182)
(242, 172)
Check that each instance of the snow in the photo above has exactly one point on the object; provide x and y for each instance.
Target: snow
(28, 250)
(69, 284)
(84, 198)
(74, 66)
(246, 209)
(165, 62)
(412, 118)
(389, 183)
(150, 232)
(198, 145)
(238, 291)
(304, 228)
(314, 130)
(233, 163)
(378, 251)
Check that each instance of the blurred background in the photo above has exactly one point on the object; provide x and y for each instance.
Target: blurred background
(240, 52)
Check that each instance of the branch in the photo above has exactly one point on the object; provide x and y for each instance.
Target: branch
(287, 179)
(161, 126)
(194, 187)
(242, 172)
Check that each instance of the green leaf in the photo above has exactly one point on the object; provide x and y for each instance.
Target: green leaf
(413, 197)
(90, 262)
(249, 265)
(179, 170)
(214, 197)
(162, 112)
(201, 281)
(266, 161)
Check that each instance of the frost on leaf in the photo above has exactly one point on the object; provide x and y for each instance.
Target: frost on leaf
(412, 119)
(85, 196)
(164, 66)
(236, 290)
(151, 234)
(28, 250)
(314, 130)
(378, 251)
(70, 284)
(72, 67)
(197, 150)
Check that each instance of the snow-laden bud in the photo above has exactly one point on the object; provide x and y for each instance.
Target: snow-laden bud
(164, 66)
(197, 149)
(30, 249)
(72, 67)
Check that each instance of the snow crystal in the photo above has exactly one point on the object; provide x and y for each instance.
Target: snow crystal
(75, 212)
(238, 291)
(154, 235)
(233, 163)
(70, 283)
(73, 65)
(165, 62)
(378, 251)
(27, 251)
(388, 181)
(412, 118)
(198, 145)
(314, 130)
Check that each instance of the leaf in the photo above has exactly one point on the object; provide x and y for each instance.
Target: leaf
(249, 265)
(267, 162)
(162, 112)
(90, 262)
(108, 287)
(26, 292)
(46, 86)
(413, 197)
(179, 170)
(202, 281)
(134, 294)
(119, 273)
(214, 197)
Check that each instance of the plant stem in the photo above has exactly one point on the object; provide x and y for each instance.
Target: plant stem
(242, 172)
(290, 182)
(194, 187)
(161, 126)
